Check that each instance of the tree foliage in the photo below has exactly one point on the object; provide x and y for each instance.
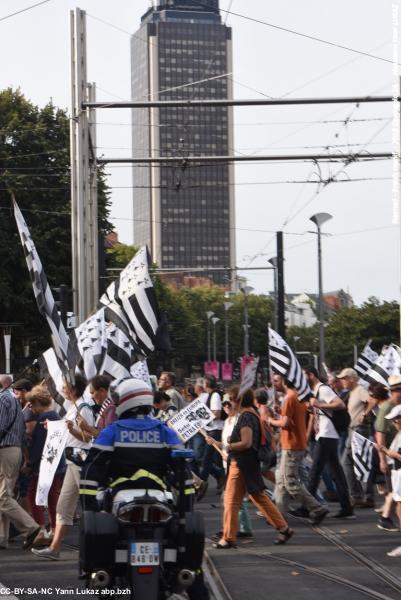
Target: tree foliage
(349, 327)
(34, 164)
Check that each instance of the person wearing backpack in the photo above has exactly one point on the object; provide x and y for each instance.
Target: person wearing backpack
(324, 404)
(359, 407)
(289, 486)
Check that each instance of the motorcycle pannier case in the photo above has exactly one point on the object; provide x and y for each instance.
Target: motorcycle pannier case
(98, 537)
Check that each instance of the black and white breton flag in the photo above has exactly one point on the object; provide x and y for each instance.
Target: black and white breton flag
(388, 363)
(139, 370)
(89, 341)
(284, 362)
(120, 354)
(131, 303)
(43, 294)
(52, 374)
(365, 361)
(362, 452)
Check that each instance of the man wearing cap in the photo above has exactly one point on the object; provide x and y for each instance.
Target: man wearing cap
(385, 434)
(359, 407)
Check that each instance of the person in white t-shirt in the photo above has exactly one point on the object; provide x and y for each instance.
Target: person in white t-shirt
(326, 448)
(211, 463)
(393, 457)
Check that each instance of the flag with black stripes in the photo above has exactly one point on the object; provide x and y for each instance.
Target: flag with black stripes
(362, 455)
(41, 289)
(388, 363)
(51, 373)
(132, 304)
(284, 362)
(365, 361)
(120, 354)
(89, 341)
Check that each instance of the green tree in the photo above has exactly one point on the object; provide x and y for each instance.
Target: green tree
(34, 164)
(375, 320)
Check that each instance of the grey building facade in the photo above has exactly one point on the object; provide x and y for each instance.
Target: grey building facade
(185, 213)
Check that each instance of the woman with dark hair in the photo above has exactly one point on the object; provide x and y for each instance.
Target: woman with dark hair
(244, 476)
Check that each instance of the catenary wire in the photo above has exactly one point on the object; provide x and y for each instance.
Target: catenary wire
(23, 10)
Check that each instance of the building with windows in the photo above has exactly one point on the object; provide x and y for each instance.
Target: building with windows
(184, 212)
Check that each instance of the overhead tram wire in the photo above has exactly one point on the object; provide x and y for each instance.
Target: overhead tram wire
(307, 36)
(24, 10)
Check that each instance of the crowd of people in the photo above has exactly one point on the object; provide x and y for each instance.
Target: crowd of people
(288, 457)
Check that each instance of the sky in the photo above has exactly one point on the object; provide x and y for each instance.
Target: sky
(361, 245)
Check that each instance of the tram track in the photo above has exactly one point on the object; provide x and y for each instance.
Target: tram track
(383, 574)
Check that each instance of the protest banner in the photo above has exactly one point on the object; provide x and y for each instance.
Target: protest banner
(227, 372)
(52, 452)
(191, 419)
(248, 375)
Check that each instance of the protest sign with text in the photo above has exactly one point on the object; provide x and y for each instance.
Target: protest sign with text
(191, 419)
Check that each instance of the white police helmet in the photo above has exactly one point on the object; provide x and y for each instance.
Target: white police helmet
(130, 394)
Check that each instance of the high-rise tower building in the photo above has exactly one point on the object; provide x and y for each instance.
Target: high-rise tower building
(184, 212)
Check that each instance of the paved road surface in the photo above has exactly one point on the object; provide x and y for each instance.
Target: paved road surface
(318, 562)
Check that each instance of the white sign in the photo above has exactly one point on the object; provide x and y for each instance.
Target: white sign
(52, 452)
(248, 376)
(191, 419)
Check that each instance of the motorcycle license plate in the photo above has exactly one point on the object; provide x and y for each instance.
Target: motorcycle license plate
(144, 554)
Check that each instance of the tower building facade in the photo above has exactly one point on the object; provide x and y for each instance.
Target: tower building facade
(184, 212)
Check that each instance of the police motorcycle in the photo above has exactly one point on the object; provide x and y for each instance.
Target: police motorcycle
(142, 544)
(138, 540)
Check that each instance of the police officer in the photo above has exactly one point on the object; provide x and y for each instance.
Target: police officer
(134, 451)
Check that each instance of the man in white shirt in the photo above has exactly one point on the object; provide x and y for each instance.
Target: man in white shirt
(326, 447)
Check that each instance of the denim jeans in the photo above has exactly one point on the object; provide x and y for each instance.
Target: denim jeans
(325, 452)
(211, 460)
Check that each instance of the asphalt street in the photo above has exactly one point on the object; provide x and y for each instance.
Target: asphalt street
(339, 559)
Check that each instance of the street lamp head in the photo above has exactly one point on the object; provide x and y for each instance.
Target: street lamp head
(209, 314)
(273, 262)
(320, 218)
(228, 305)
(215, 320)
(247, 289)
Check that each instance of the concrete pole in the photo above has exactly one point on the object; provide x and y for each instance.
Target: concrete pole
(93, 228)
(80, 188)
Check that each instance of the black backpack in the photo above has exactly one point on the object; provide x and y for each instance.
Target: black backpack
(340, 416)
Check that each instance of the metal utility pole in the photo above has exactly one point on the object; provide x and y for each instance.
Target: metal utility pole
(273, 262)
(209, 315)
(214, 321)
(280, 286)
(83, 189)
(318, 220)
(227, 306)
(246, 291)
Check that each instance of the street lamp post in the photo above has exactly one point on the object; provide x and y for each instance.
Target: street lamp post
(227, 306)
(273, 262)
(319, 219)
(209, 315)
(214, 321)
(246, 290)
